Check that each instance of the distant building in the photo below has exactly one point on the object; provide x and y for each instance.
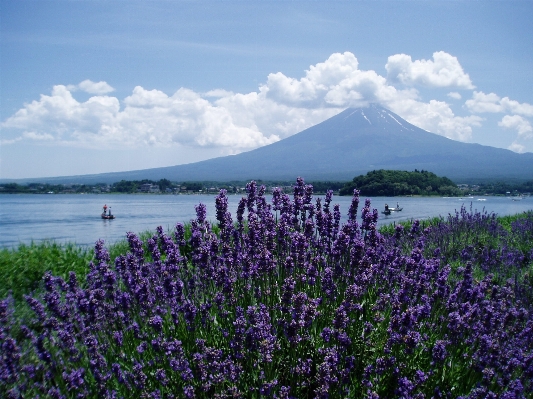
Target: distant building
(149, 188)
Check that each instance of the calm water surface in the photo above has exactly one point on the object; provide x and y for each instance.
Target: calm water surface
(76, 218)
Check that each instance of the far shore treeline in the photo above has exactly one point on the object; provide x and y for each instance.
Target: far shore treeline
(375, 183)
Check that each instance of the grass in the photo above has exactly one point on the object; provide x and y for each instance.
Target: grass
(22, 269)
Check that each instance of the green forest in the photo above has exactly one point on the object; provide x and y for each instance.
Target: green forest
(375, 183)
(391, 183)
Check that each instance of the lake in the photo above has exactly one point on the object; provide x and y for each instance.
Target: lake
(76, 218)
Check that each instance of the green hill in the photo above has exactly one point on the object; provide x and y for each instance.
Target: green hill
(397, 182)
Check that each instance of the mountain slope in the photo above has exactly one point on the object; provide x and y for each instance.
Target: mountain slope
(348, 144)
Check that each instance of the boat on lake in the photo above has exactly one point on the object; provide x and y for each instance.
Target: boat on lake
(388, 210)
(107, 214)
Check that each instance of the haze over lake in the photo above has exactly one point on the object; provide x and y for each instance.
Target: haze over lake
(76, 218)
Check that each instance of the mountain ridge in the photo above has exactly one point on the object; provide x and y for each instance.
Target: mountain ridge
(351, 143)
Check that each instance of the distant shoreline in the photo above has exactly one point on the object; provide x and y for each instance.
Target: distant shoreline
(244, 194)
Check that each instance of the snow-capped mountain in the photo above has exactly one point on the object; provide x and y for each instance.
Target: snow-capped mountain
(351, 143)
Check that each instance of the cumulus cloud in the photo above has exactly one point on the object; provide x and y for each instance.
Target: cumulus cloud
(481, 102)
(437, 117)
(149, 117)
(218, 93)
(516, 147)
(91, 87)
(521, 125)
(443, 71)
(523, 128)
(234, 122)
(337, 82)
(454, 95)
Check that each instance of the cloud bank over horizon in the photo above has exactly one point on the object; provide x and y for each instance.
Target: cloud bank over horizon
(281, 107)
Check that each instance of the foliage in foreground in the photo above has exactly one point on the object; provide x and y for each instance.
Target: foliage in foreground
(21, 270)
(293, 305)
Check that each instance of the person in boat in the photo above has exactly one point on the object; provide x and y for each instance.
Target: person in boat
(109, 212)
(397, 206)
(105, 209)
(386, 207)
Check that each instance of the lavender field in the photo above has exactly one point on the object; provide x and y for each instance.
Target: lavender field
(285, 301)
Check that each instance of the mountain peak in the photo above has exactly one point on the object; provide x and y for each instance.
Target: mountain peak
(375, 114)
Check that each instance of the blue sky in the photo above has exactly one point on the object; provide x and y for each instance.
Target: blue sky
(99, 86)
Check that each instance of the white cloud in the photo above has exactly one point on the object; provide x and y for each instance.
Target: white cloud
(523, 128)
(437, 117)
(491, 102)
(444, 71)
(482, 102)
(454, 95)
(91, 87)
(516, 108)
(10, 141)
(235, 122)
(337, 82)
(218, 93)
(517, 147)
(150, 117)
(521, 125)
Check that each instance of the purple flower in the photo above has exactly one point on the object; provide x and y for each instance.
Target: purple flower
(343, 339)
(75, 380)
(283, 393)
(405, 387)
(352, 212)
(156, 323)
(9, 366)
(328, 284)
(188, 391)
(142, 347)
(201, 213)
(55, 393)
(139, 377)
(439, 352)
(161, 376)
(326, 334)
(420, 377)
(179, 234)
